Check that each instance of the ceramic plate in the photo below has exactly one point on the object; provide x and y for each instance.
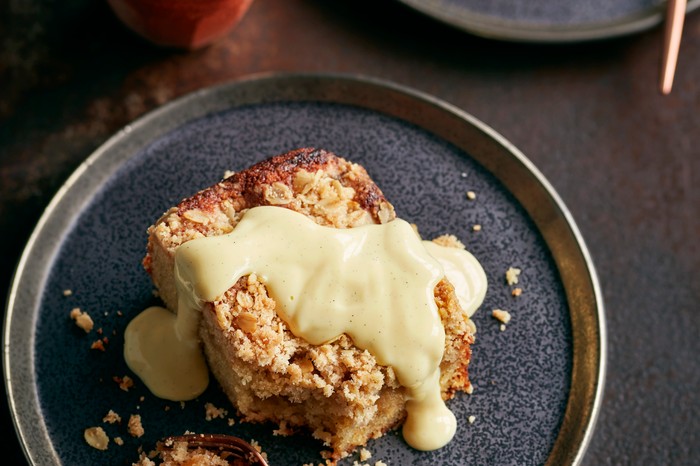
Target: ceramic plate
(537, 384)
(547, 21)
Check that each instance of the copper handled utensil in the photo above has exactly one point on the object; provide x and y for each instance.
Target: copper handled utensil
(672, 41)
(227, 446)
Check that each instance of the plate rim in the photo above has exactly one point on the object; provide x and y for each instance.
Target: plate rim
(36, 259)
(491, 27)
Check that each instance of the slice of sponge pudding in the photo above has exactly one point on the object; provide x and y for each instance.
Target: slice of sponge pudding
(336, 391)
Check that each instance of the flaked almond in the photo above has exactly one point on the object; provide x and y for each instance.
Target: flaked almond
(247, 322)
(96, 437)
(386, 212)
(278, 193)
(196, 216)
(244, 299)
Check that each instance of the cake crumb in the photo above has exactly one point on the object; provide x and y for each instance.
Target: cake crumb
(512, 275)
(471, 419)
(231, 421)
(125, 383)
(476, 227)
(67, 292)
(516, 292)
(212, 412)
(254, 443)
(380, 463)
(96, 437)
(119, 441)
(112, 417)
(98, 345)
(82, 319)
(228, 173)
(365, 454)
(471, 195)
(135, 427)
(503, 327)
(501, 315)
(470, 389)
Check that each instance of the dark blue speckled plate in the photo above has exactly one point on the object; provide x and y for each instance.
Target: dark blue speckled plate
(547, 20)
(538, 383)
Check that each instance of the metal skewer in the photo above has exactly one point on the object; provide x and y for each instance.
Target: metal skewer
(672, 42)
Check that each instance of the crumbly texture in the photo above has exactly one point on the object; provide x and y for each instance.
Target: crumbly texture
(512, 275)
(212, 412)
(134, 426)
(112, 417)
(82, 319)
(336, 391)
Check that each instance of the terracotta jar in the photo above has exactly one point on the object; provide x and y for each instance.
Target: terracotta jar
(188, 24)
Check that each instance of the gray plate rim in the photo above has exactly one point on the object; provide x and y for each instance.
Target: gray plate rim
(497, 28)
(493, 151)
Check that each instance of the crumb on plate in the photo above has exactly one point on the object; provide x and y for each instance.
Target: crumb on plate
(512, 275)
(212, 412)
(112, 417)
(96, 437)
(125, 383)
(501, 315)
(135, 427)
(82, 319)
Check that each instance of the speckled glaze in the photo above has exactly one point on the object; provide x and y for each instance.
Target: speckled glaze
(93, 238)
(547, 21)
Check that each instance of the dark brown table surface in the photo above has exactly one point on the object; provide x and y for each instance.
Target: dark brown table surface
(625, 159)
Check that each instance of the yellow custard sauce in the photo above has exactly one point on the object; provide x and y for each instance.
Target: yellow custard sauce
(374, 283)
